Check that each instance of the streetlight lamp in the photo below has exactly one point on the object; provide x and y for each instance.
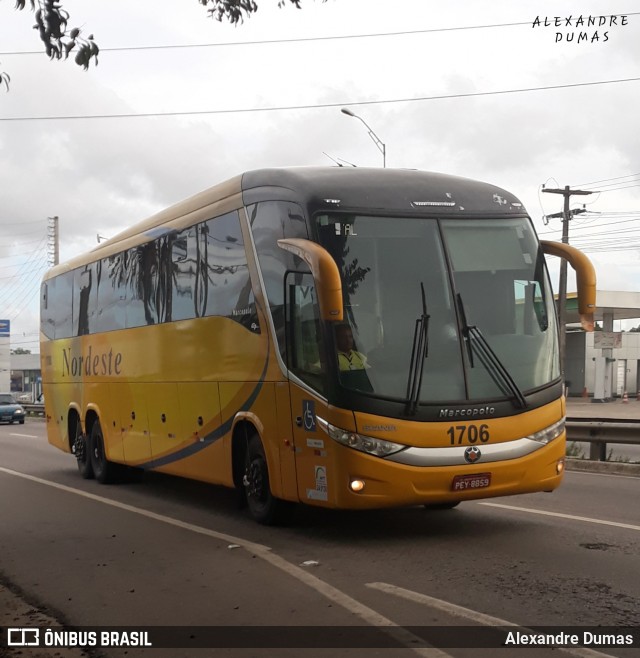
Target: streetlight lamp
(376, 140)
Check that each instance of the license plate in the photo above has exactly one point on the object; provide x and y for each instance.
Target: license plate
(475, 481)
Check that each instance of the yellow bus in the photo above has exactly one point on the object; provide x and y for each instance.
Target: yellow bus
(343, 337)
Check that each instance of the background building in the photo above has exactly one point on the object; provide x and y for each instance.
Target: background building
(604, 364)
(26, 375)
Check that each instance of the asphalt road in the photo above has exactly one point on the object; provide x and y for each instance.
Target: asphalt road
(166, 552)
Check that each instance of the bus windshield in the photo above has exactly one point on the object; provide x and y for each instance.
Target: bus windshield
(439, 278)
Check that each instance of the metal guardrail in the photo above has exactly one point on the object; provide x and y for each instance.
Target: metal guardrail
(33, 409)
(599, 432)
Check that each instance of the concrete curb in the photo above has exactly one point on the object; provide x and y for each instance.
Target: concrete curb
(611, 468)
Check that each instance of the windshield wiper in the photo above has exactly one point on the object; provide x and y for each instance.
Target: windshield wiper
(419, 352)
(477, 343)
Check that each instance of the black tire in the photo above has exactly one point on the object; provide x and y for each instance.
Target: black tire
(103, 469)
(21, 422)
(81, 451)
(263, 506)
(442, 506)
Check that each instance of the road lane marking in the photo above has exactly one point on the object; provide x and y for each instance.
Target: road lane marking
(602, 475)
(28, 436)
(559, 515)
(475, 616)
(366, 614)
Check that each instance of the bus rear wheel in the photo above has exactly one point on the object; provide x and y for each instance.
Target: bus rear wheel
(81, 452)
(103, 469)
(263, 506)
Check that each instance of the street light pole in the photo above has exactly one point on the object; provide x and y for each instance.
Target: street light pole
(376, 140)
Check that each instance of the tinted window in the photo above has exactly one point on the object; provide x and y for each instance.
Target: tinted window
(181, 275)
(112, 301)
(306, 352)
(148, 282)
(271, 221)
(186, 266)
(228, 285)
(85, 299)
(61, 302)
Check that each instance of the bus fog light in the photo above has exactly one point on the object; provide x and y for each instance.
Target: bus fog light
(356, 485)
(560, 466)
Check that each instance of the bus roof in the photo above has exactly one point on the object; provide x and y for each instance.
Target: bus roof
(396, 190)
(403, 191)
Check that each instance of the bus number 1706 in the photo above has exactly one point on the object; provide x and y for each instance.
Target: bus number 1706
(464, 434)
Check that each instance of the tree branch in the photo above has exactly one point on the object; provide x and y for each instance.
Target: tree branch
(52, 23)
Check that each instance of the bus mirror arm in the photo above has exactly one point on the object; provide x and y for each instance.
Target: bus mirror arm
(585, 278)
(325, 273)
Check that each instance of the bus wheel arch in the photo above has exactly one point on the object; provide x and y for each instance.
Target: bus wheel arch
(251, 474)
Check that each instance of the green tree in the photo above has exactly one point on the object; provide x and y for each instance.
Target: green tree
(52, 23)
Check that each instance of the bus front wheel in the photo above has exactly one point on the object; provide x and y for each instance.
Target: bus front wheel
(263, 506)
(103, 469)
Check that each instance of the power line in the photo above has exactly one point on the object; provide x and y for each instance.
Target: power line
(20, 223)
(618, 182)
(285, 108)
(29, 279)
(624, 187)
(606, 180)
(266, 42)
(335, 37)
(608, 248)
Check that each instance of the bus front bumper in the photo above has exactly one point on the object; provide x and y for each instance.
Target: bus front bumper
(359, 481)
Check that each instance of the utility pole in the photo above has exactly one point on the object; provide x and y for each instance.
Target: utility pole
(567, 193)
(53, 241)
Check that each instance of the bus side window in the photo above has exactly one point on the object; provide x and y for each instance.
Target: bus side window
(305, 347)
(84, 300)
(229, 286)
(60, 304)
(47, 324)
(186, 274)
(111, 293)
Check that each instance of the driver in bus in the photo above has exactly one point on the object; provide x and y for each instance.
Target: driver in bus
(348, 357)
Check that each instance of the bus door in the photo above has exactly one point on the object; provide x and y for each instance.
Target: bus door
(306, 362)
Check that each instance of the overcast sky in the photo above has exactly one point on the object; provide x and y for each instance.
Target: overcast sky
(100, 175)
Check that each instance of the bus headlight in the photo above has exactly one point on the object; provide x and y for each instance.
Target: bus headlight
(548, 434)
(368, 444)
